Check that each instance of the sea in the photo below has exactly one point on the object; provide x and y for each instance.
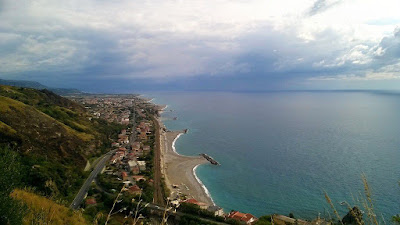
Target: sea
(280, 152)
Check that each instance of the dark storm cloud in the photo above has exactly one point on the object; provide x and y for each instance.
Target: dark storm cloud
(142, 46)
(320, 6)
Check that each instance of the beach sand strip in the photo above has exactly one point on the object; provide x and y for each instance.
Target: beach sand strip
(178, 169)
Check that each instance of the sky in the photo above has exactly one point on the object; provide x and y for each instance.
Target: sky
(234, 45)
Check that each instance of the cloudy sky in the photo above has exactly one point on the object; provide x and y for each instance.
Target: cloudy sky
(114, 45)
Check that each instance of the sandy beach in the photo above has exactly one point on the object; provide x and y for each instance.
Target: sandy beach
(178, 169)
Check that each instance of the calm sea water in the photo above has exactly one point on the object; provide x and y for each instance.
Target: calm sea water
(281, 150)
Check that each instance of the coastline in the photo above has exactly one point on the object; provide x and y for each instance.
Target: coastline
(174, 141)
(179, 171)
(202, 185)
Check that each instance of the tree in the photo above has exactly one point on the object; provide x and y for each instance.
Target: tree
(264, 220)
(396, 219)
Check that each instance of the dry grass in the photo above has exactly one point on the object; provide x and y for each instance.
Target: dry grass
(364, 201)
(7, 130)
(6, 103)
(328, 199)
(43, 211)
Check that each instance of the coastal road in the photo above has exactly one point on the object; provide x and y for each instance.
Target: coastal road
(85, 187)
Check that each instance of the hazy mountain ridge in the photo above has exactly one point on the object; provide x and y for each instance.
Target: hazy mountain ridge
(39, 86)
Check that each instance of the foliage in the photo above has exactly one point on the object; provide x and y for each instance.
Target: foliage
(264, 220)
(108, 182)
(233, 221)
(196, 210)
(108, 200)
(189, 220)
(148, 191)
(11, 211)
(189, 208)
(396, 219)
(53, 178)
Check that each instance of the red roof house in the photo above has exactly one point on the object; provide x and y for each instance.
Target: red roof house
(122, 149)
(245, 217)
(139, 177)
(135, 190)
(124, 175)
(194, 201)
(91, 201)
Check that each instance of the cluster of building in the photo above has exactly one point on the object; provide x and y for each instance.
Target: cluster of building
(144, 129)
(113, 108)
(125, 162)
(128, 164)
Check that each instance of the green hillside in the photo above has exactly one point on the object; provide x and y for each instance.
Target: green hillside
(53, 135)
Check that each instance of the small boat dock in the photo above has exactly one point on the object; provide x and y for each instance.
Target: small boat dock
(210, 159)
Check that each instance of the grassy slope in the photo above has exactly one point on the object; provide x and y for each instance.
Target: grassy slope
(38, 132)
(45, 211)
(54, 136)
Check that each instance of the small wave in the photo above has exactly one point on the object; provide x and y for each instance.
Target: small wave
(173, 143)
(202, 185)
(163, 109)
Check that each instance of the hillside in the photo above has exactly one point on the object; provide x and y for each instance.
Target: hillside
(45, 211)
(54, 136)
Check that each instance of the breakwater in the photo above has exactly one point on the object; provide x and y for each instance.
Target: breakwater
(210, 159)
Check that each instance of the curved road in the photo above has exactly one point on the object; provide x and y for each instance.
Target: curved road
(85, 187)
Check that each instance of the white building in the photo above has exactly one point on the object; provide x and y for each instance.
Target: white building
(142, 165)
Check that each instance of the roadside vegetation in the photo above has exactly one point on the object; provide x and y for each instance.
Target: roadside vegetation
(19, 205)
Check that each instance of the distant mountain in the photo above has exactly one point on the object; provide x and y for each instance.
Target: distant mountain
(39, 86)
(23, 83)
(66, 91)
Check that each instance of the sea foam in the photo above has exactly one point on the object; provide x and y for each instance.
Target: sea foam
(173, 143)
(194, 171)
(202, 185)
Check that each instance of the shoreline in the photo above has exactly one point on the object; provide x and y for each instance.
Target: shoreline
(173, 143)
(194, 170)
(179, 170)
(202, 185)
